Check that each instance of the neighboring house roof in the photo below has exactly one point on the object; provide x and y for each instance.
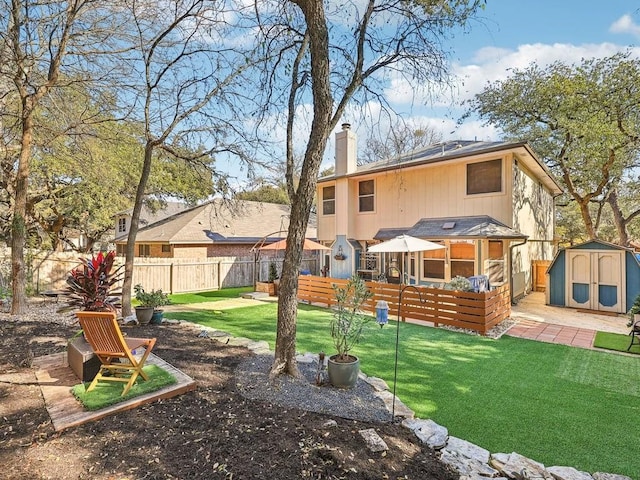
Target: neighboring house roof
(221, 221)
(480, 226)
(456, 149)
(148, 216)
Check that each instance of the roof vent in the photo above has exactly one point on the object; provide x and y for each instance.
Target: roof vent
(448, 225)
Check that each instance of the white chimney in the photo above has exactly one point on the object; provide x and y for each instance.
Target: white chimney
(346, 146)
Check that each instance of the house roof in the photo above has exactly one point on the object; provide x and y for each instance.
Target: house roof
(481, 226)
(456, 149)
(221, 221)
(149, 216)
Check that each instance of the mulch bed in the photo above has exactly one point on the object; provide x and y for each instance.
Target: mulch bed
(212, 433)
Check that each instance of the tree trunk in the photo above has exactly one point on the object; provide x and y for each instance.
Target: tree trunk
(127, 284)
(618, 219)
(284, 361)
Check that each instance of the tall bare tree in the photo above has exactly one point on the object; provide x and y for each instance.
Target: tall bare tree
(185, 60)
(402, 137)
(333, 54)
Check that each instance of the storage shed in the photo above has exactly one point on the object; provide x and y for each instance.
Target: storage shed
(595, 275)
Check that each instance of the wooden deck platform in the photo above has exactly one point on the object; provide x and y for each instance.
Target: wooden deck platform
(56, 378)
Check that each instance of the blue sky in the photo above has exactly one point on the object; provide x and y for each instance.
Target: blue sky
(507, 34)
(515, 33)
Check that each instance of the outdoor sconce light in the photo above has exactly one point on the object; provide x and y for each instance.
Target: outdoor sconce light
(382, 313)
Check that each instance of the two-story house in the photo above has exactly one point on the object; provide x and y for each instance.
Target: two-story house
(490, 204)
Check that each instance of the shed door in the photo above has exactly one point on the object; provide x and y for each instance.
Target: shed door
(594, 280)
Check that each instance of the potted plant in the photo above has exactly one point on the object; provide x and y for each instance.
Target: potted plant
(347, 326)
(270, 286)
(91, 287)
(147, 311)
(634, 311)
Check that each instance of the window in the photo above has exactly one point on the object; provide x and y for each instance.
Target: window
(463, 258)
(433, 263)
(144, 250)
(484, 177)
(121, 249)
(329, 200)
(166, 248)
(495, 265)
(122, 224)
(366, 196)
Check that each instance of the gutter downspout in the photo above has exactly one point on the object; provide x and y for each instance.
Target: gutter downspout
(511, 247)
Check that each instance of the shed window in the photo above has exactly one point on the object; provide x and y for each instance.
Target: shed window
(366, 195)
(329, 200)
(484, 177)
(166, 248)
(144, 250)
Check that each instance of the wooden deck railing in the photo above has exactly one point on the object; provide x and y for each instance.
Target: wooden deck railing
(474, 311)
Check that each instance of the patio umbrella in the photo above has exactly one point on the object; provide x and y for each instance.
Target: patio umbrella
(405, 243)
(282, 244)
(401, 244)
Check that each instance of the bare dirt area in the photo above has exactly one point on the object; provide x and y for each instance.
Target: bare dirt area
(212, 433)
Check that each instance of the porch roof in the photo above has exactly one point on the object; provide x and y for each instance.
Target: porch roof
(481, 226)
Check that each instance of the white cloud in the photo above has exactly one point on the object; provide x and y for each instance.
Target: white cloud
(625, 24)
(490, 64)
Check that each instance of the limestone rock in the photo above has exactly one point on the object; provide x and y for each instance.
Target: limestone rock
(378, 384)
(466, 466)
(568, 473)
(239, 341)
(523, 468)
(307, 358)
(498, 460)
(401, 410)
(468, 449)
(373, 440)
(428, 432)
(609, 476)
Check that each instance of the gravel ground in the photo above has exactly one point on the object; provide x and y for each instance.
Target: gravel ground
(358, 403)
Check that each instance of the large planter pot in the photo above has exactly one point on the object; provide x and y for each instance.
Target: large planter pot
(156, 318)
(343, 374)
(144, 314)
(266, 287)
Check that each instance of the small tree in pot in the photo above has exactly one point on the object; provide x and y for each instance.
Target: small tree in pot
(347, 326)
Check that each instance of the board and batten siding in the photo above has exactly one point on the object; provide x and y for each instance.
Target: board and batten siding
(404, 196)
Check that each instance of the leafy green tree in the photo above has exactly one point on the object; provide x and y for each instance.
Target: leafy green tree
(265, 193)
(42, 46)
(584, 122)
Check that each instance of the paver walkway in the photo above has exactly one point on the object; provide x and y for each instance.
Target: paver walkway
(551, 333)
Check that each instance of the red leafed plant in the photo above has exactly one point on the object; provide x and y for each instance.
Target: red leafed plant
(93, 285)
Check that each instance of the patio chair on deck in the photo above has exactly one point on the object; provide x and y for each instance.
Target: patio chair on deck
(118, 363)
(635, 334)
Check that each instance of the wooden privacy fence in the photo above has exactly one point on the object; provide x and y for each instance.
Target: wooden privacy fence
(469, 310)
(48, 271)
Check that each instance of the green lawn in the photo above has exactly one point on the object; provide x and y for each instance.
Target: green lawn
(211, 296)
(556, 404)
